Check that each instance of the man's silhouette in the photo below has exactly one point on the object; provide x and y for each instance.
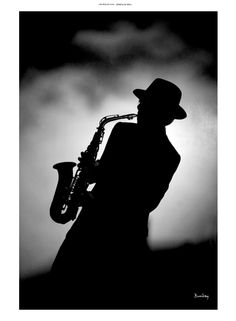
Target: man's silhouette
(104, 260)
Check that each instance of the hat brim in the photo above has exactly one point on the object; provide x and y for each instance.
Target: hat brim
(179, 112)
(140, 93)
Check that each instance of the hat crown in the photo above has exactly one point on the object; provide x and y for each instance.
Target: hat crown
(163, 89)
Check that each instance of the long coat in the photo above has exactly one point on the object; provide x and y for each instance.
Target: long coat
(106, 246)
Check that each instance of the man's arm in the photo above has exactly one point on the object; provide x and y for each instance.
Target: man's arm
(160, 187)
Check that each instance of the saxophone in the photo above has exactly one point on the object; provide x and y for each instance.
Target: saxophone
(71, 189)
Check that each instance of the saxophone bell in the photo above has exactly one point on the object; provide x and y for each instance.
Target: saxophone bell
(60, 211)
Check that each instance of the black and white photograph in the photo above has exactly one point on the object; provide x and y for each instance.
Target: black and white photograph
(118, 160)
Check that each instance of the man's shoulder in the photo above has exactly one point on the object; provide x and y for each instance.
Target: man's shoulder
(123, 131)
(125, 127)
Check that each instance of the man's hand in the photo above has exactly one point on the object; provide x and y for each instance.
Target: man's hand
(86, 198)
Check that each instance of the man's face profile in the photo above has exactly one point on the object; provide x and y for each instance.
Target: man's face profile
(150, 112)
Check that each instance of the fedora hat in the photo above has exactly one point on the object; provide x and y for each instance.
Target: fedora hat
(165, 92)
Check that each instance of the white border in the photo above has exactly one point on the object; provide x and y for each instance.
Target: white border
(9, 160)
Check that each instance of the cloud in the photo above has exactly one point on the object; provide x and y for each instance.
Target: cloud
(66, 88)
(123, 39)
(126, 44)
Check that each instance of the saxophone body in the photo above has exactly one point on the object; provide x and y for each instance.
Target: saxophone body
(71, 188)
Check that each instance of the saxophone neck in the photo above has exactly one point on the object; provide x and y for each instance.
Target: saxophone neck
(109, 118)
